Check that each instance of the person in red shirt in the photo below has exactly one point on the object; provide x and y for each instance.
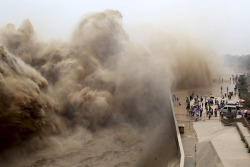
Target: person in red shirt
(201, 110)
(215, 112)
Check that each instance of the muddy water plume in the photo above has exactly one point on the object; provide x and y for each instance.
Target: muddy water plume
(98, 79)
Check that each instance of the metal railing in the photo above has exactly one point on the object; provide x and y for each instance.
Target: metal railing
(229, 122)
(225, 122)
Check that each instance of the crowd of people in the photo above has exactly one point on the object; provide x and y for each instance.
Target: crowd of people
(196, 110)
(208, 104)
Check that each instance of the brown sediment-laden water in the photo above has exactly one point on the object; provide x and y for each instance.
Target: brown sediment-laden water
(98, 99)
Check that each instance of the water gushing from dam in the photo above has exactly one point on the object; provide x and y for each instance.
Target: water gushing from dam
(83, 90)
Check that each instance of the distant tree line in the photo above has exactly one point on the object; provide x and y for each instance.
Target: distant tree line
(237, 61)
(244, 90)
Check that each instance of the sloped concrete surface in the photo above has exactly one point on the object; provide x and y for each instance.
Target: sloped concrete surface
(226, 142)
(204, 151)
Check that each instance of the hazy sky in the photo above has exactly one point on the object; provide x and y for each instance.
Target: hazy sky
(226, 23)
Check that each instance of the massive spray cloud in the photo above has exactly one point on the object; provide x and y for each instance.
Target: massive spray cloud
(25, 107)
(97, 78)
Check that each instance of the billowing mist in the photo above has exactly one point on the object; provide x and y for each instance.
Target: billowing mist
(97, 80)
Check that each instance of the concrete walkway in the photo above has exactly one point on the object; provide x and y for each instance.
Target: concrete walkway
(217, 145)
(226, 142)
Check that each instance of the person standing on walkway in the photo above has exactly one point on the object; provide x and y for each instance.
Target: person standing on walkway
(209, 114)
(197, 115)
(177, 101)
(215, 112)
(192, 112)
(201, 110)
(221, 111)
(174, 98)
